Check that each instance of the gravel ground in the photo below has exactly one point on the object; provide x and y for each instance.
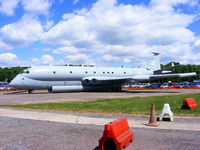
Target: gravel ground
(23, 134)
(8, 98)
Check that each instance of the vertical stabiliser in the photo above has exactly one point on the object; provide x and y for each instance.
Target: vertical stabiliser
(155, 64)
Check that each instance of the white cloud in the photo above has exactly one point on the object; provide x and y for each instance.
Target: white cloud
(79, 59)
(193, 3)
(107, 32)
(110, 58)
(6, 57)
(128, 32)
(43, 60)
(65, 50)
(8, 6)
(32, 6)
(197, 44)
(46, 49)
(75, 1)
(170, 2)
(48, 24)
(47, 59)
(190, 57)
(4, 45)
(21, 33)
(26, 30)
(127, 60)
(72, 31)
(37, 6)
(10, 59)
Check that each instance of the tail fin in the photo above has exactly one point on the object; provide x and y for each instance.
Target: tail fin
(155, 64)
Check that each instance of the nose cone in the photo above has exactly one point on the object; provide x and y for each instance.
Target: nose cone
(17, 82)
(13, 83)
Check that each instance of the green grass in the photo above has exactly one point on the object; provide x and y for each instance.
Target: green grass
(136, 105)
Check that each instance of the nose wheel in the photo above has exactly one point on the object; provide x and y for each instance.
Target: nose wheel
(30, 91)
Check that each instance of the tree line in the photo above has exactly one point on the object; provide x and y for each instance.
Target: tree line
(7, 74)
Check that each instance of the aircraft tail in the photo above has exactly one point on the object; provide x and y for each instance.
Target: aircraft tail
(155, 64)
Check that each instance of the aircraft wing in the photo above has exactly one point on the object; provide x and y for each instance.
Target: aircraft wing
(180, 75)
(123, 80)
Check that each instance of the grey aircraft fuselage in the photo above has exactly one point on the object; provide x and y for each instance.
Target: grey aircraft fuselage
(89, 78)
(77, 77)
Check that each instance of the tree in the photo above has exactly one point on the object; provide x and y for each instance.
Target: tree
(9, 73)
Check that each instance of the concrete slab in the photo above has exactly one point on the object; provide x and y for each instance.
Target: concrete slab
(134, 122)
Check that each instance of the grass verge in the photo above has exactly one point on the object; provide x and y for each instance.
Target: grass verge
(136, 105)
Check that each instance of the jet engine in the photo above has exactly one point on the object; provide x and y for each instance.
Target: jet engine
(90, 81)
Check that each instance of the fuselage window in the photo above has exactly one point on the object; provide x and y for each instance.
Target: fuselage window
(70, 71)
(108, 72)
(112, 72)
(86, 72)
(54, 72)
(103, 72)
(124, 72)
(94, 72)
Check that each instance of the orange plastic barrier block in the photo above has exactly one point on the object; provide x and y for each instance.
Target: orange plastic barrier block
(189, 103)
(117, 135)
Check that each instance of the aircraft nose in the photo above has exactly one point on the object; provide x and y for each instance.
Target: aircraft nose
(16, 82)
(12, 83)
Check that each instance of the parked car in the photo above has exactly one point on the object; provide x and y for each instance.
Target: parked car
(154, 85)
(4, 86)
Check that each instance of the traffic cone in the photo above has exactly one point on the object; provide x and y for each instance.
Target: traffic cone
(152, 119)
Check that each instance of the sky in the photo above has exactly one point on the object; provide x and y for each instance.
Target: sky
(98, 32)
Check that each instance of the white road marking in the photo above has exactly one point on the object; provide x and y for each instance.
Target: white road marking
(68, 118)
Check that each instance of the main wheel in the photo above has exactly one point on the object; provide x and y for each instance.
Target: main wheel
(30, 91)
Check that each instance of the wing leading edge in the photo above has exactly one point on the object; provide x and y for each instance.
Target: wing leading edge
(123, 80)
(180, 75)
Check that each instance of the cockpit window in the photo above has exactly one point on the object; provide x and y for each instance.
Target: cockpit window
(25, 71)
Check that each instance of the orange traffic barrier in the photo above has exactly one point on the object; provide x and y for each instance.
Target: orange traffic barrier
(117, 135)
(189, 103)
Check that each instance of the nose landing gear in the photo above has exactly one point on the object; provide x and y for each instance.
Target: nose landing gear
(30, 91)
